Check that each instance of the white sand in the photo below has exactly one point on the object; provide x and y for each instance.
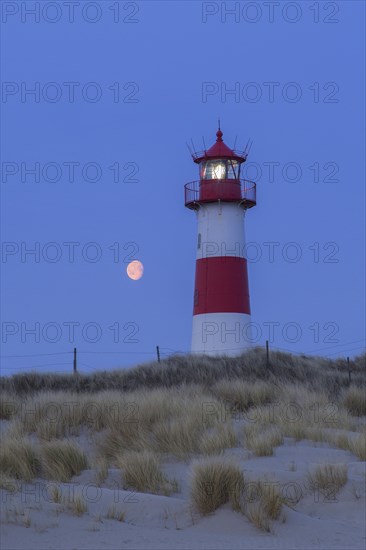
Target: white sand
(29, 519)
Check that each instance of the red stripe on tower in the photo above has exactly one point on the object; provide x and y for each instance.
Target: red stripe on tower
(221, 286)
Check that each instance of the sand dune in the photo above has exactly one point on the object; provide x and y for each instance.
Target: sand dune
(312, 465)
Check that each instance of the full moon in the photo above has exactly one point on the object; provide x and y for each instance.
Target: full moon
(135, 270)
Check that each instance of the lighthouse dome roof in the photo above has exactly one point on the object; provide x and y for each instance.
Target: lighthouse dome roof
(219, 150)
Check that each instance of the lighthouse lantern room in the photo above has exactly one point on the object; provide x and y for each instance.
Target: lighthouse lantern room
(220, 198)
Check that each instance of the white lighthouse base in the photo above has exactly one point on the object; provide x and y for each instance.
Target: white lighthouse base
(221, 333)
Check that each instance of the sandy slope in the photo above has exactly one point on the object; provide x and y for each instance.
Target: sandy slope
(159, 522)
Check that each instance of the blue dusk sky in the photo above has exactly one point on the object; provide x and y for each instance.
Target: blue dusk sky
(98, 102)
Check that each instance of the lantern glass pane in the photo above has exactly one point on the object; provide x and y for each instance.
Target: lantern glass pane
(213, 170)
(233, 170)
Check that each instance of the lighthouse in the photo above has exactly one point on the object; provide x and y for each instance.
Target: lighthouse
(220, 199)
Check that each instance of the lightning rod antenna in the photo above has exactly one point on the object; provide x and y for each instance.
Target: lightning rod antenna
(189, 149)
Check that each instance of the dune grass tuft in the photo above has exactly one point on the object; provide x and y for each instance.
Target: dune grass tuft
(214, 482)
(56, 494)
(19, 459)
(240, 396)
(8, 484)
(354, 400)
(62, 459)
(179, 436)
(77, 505)
(262, 439)
(114, 513)
(261, 502)
(217, 440)
(256, 515)
(327, 479)
(9, 405)
(357, 446)
(142, 471)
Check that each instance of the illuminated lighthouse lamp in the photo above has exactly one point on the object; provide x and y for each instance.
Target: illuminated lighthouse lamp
(220, 199)
(219, 170)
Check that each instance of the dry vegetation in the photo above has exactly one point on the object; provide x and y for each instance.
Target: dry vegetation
(314, 372)
(328, 479)
(216, 441)
(187, 408)
(354, 400)
(142, 471)
(62, 460)
(262, 439)
(115, 513)
(77, 505)
(262, 503)
(19, 459)
(215, 481)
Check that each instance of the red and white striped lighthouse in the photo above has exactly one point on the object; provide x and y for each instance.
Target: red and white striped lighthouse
(220, 198)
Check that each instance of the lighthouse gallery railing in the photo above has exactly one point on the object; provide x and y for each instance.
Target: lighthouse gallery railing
(196, 192)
